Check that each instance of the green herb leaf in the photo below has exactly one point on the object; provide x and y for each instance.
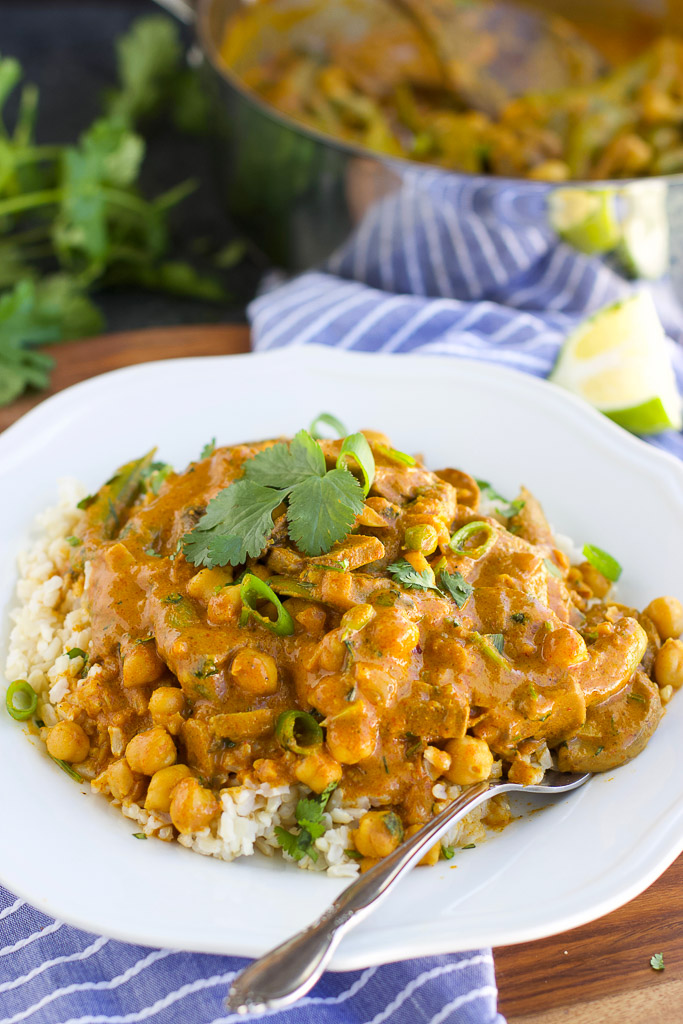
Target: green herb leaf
(496, 640)
(76, 652)
(404, 573)
(286, 464)
(139, 835)
(505, 508)
(657, 962)
(322, 510)
(552, 568)
(470, 846)
(236, 525)
(604, 563)
(448, 852)
(457, 586)
(74, 542)
(208, 449)
(329, 420)
(518, 617)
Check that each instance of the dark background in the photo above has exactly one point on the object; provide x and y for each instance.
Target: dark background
(67, 48)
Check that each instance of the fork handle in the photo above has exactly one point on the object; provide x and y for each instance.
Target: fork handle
(290, 970)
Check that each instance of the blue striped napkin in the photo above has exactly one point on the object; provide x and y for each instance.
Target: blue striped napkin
(441, 267)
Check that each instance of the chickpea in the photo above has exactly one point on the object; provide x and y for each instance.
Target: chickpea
(550, 170)
(564, 647)
(423, 538)
(378, 833)
(432, 855)
(471, 760)
(161, 787)
(120, 779)
(378, 686)
(666, 614)
(150, 751)
(352, 734)
(142, 665)
(224, 607)
(207, 582)
(669, 664)
(193, 807)
(332, 652)
(318, 770)
(67, 741)
(598, 583)
(166, 706)
(255, 672)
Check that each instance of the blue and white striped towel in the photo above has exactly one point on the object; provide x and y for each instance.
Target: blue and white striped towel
(421, 274)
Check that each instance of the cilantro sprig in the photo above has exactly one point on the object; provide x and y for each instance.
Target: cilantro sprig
(452, 584)
(322, 505)
(309, 818)
(505, 508)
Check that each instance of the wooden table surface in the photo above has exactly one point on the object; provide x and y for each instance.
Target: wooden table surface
(597, 974)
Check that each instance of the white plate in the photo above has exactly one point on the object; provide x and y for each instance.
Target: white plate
(73, 856)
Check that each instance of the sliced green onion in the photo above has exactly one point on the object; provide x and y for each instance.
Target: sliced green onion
(448, 852)
(74, 542)
(489, 646)
(139, 835)
(395, 455)
(552, 568)
(457, 541)
(356, 446)
(604, 563)
(497, 640)
(253, 589)
(329, 420)
(298, 731)
(28, 704)
(76, 652)
(290, 588)
(71, 772)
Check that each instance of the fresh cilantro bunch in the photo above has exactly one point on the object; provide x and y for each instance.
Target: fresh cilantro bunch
(309, 818)
(72, 217)
(322, 504)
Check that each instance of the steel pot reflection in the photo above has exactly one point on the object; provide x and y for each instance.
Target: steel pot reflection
(300, 195)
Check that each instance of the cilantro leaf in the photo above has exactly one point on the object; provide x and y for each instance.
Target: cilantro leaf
(148, 57)
(287, 464)
(309, 815)
(657, 962)
(455, 584)
(405, 574)
(237, 524)
(297, 845)
(323, 509)
(208, 449)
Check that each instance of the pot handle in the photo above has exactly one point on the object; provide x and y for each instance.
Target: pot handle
(184, 10)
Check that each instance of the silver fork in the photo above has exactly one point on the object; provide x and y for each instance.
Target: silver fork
(289, 971)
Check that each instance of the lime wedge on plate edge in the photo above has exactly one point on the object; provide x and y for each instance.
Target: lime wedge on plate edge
(617, 360)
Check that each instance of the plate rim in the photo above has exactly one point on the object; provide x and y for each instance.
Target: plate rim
(13, 448)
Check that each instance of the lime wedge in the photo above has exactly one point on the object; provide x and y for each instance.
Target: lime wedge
(617, 360)
(586, 218)
(644, 246)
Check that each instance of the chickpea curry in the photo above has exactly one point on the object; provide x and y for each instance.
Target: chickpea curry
(333, 614)
(578, 113)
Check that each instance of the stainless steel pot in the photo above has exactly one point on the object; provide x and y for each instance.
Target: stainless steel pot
(300, 194)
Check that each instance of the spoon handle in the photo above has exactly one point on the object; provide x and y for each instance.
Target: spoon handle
(286, 973)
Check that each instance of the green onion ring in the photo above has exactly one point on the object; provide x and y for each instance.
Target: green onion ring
(329, 420)
(254, 589)
(356, 446)
(20, 714)
(298, 731)
(457, 541)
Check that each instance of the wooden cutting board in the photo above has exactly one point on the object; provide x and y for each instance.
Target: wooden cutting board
(597, 974)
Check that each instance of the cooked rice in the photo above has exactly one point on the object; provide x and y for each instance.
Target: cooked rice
(52, 618)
